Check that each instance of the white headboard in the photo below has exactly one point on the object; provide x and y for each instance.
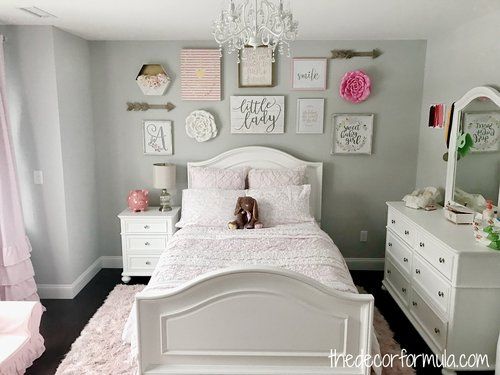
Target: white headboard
(266, 157)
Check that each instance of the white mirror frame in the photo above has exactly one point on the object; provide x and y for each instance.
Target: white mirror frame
(476, 92)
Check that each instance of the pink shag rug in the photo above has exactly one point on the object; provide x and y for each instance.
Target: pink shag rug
(99, 348)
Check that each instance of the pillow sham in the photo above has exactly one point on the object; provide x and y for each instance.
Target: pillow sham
(283, 205)
(264, 178)
(216, 178)
(208, 207)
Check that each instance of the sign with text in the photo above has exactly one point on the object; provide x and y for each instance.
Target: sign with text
(352, 134)
(484, 128)
(256, 67)
(257, 114)
(309, 73)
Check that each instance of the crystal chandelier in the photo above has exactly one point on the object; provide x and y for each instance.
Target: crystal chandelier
(255, 23)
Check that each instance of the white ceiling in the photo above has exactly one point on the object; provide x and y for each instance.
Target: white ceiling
(191, 19)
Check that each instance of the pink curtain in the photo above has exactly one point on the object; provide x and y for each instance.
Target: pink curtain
(16, 271)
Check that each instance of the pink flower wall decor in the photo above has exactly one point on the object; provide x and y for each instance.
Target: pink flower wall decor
(355, 86)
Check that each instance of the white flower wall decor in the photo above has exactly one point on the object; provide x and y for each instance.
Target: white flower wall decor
(201, 126)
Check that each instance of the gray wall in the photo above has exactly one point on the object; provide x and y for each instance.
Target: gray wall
(355, 187)
(456, 62)
(48, 88)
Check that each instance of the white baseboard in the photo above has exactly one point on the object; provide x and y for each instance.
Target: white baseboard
(365, 264)
(69, 291)
(111, 262)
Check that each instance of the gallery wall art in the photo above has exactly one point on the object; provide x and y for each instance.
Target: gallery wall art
(200, 74)
(484, 128)
(257, 114)
(309, 73)
(256, 67)
(310, 116)
(157, 137)
(352, 133)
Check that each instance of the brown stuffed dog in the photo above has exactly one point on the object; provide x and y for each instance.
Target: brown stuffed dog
(247, 214)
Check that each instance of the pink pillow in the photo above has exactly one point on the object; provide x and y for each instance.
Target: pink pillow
(215, 178)
(265, 178)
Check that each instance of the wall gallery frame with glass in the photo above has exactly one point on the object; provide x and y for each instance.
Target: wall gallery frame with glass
(352, 133)
(157, 137)
(309, 73)
(256, 68)
(310, 116)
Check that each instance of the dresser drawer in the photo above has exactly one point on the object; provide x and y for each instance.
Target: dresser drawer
(147, 226)
(141, 262)
(432, 283)
(145, 242)
(436, 254)
(436, 328)
(399, 252)
(402, 227)
(396, 279)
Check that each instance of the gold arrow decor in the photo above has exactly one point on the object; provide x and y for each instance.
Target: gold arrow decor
(137, 106)
(349, 54)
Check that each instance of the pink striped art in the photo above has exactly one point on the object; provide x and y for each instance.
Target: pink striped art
(200, 74)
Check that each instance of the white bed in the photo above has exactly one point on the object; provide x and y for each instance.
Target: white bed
(267, 301)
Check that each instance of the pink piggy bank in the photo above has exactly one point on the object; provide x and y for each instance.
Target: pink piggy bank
(138, 200)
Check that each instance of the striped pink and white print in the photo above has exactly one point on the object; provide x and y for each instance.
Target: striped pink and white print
(200, 74)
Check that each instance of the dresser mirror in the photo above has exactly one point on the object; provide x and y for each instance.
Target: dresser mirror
(473, 173)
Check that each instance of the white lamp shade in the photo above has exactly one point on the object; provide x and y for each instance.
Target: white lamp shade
(164, 176)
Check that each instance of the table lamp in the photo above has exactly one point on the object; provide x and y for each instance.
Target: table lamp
(164, 178)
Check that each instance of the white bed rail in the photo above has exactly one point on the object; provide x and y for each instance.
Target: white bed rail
(250, 320)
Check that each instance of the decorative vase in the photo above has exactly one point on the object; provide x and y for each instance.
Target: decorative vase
(138, 200)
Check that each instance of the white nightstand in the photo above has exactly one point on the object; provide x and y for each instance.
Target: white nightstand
(144, 237)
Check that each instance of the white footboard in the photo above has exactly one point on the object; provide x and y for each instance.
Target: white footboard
(252, 321)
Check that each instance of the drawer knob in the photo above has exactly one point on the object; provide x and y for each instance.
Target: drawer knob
(407, 232)
(393, 221)
(389, 244)
(389, 272)
(403, 290)
(146, 244)
(437, 331)
(440, 294)
(146, 227)
(417, 271)
(441, 260)
(421, 244)
(405, 260)
(148, 262)
(414, 303)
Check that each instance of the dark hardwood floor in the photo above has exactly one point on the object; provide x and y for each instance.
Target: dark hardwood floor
(64, 319)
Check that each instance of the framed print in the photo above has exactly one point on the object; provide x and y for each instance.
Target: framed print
(352, 133)
(484, 128)
(256, 67)
(157, 137)
(200, 74)
(310, 116)
(309, 73)
(257, 114)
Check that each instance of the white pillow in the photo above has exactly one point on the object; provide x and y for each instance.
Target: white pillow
(283, 205)
(208, 207)
(264, 178)
(216, 178)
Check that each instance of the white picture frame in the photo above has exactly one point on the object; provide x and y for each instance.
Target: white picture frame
(157, 137)
(256, 67)
(263, 114)
(309, 73)
(352, 133)
(310, 115)
(484, 128)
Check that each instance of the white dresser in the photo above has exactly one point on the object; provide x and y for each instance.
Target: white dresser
(447, 284)
(144, 237)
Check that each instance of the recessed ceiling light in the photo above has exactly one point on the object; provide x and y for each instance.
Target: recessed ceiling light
(37, 12)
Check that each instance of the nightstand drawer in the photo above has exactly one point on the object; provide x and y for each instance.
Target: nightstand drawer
(399, 251)
(432, 283)
(145, 242)
(146, 226)
(396, 279)
(140, 262)
(435, 327)
(401, 227)
(435, 254)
